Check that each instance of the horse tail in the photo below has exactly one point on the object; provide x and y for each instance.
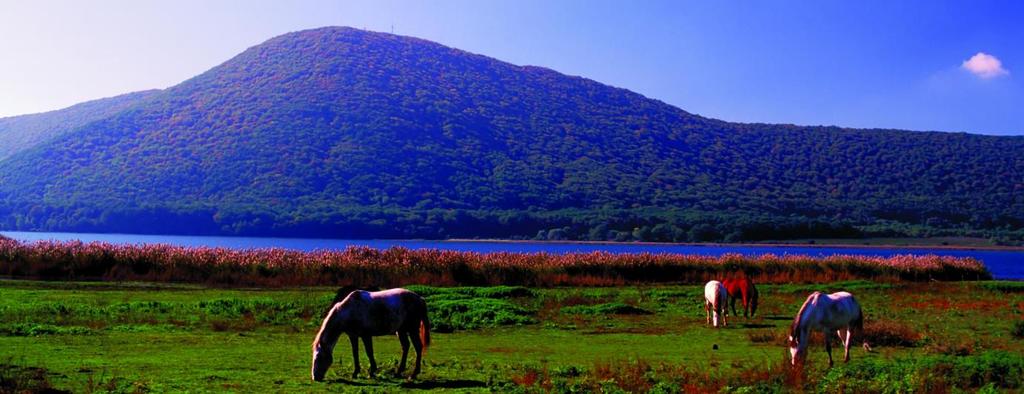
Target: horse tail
(857, 326)
(425, 327)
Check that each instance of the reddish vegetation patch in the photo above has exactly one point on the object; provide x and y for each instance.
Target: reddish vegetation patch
(398, 266)
(955, 347)
(533, 378)
(768, 336)
(890, 333)
(629, 376)
(944, 304)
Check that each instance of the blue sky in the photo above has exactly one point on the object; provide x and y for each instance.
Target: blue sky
(856, 64)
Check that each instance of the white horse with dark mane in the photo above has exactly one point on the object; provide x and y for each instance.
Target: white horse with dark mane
(836, 312)
(715, 300)
(364, 315)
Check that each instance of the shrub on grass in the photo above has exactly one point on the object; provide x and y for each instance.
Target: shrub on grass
(18, 379)
(33, 330)
(1000, 369)
(873, 376)
(1018, 329)
(467, 314)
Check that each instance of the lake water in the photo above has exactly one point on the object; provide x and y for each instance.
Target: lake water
(1004, 264)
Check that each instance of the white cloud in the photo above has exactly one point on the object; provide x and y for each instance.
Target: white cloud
(984, 66)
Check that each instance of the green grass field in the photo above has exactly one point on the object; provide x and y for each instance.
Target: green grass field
(136, 337)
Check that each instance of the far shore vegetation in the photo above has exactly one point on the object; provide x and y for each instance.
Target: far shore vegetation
(74, 260)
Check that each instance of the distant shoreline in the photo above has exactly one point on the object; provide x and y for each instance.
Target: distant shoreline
(952, 243)
(750, 244)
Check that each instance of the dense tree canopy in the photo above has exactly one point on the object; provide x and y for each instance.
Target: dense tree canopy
(342, 132)
(19, 133)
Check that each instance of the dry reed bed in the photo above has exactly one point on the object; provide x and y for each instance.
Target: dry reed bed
(400, 266)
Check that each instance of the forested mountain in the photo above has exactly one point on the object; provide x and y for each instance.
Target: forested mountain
(18, 133)
(338, 132)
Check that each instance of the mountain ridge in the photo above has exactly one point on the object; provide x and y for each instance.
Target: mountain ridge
(21, 132)
(345, 131)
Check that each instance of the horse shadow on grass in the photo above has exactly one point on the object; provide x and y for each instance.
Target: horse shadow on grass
(349, 382)
(444, 384)
(420, 385)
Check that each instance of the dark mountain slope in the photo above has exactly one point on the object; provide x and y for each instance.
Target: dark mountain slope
(338, 131)
(18, 133)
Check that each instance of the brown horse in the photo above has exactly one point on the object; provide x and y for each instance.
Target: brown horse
(364, 315)
(743, 289)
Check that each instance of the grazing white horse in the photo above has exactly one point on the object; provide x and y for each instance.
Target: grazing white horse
(838, 312)
(365, 315)
(715, 300)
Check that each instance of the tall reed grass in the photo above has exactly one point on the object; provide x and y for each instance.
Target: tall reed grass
(73, 260)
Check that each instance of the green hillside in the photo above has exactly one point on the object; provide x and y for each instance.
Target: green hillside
(18, 133)
(338, 132)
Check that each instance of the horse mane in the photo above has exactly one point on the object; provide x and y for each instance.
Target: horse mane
(323, 327)
(800, 315)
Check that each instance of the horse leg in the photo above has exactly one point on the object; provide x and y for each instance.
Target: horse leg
(846, 338)
(368, 344)
(746, 305)
(725, 322)
(403, 338)
(707, 311)
(828, 349)
(417, 345)
(732, 303)
(355, 355)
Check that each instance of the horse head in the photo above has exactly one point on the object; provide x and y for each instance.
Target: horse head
(796, 351)
(326, 338)
(322, 359)
(798, 334)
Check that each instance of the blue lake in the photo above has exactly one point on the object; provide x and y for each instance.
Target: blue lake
(1004, 264)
